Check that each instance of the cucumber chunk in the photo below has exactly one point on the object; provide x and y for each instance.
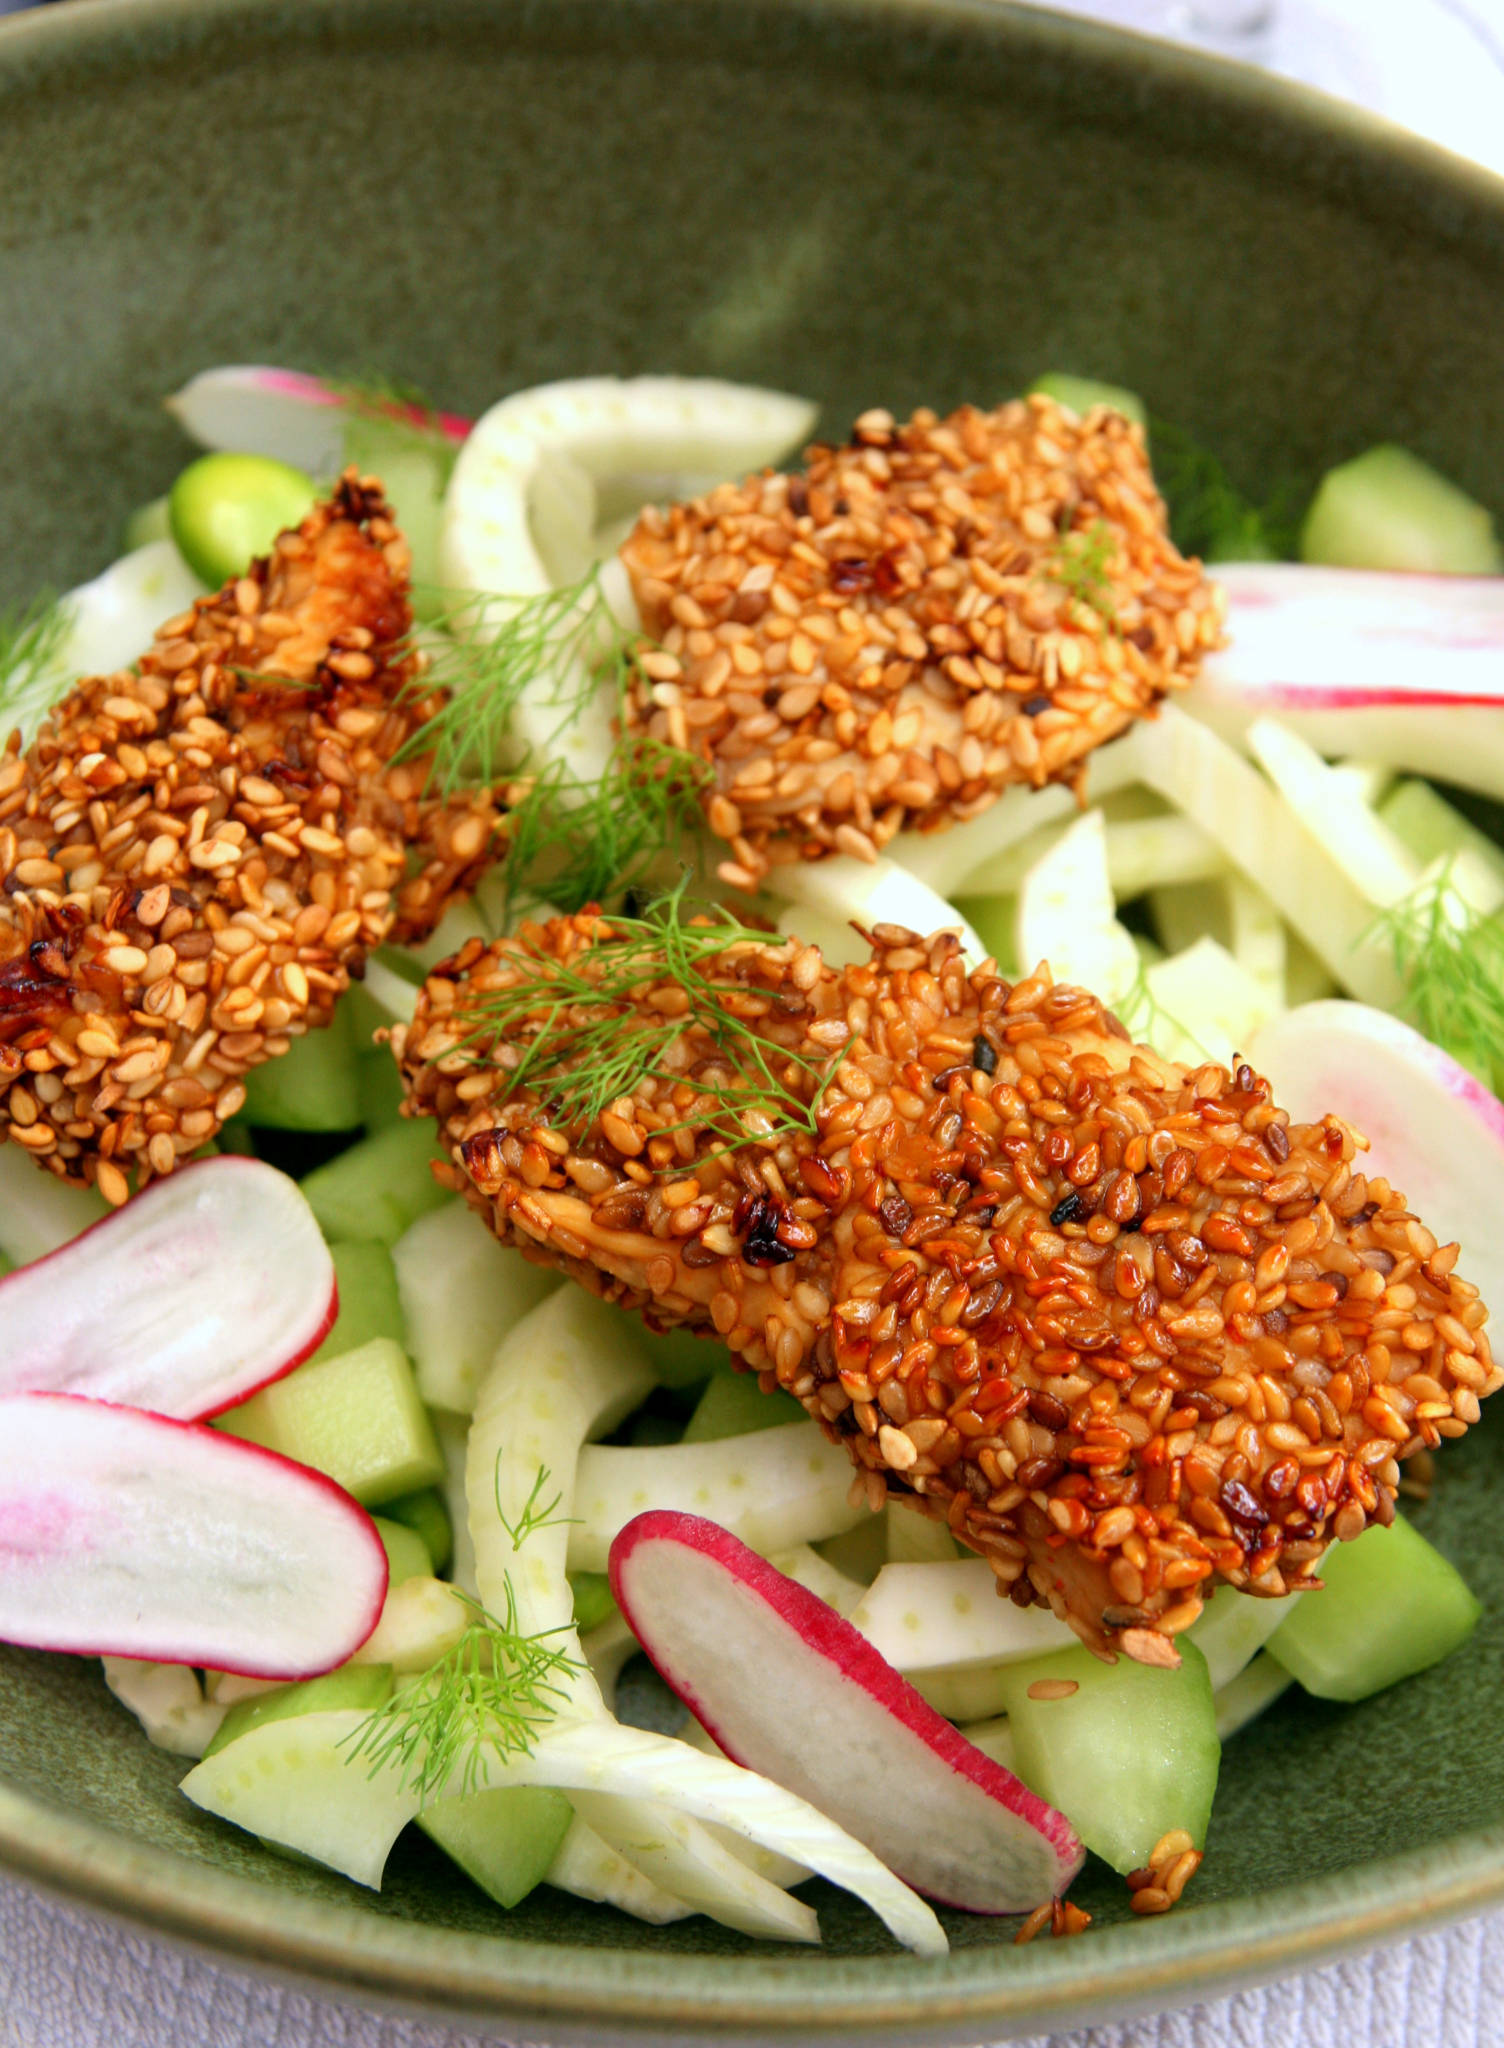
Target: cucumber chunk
(504, 1839)
(461, 1294)
(147, 523)
(380, 1187)
(679, 1358)
(313, 1087)
(368, 1303)
(593, 1602)
(734, 1405)
(1082, 393)
(425, 1512)
(1387, 509)
(379, 1087)
(423, 1620)
(226, 509)
(362, 1688)
(1127, 1756)
(1391, 1605)
(1234, 1628)
(38, 1212)
(357, 1417)
(406, 1553)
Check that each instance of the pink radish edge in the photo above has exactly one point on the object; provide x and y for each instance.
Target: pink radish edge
(306, 1476)
(299, 1357)
(298, 384)
(1326, 697)
(830, 1636)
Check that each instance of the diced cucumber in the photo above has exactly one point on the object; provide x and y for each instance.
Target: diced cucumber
(379, 1086)
(292, 1782)
(461, 921)
(406, 1553)
(313, 1087)
(504, 1840)
(1432, 828)
(1257, 1686)
(1082, 393)
(593, 1602)
(1387, 509)
(914, 1538)
(859, 1552)
(422, 1621)
(1130, 1754)
(462, 1293)
(995, 922)
(734, 1405)
(1390, 1606)
(360, 1688)
(425, 1512)
(38, 1212)
(679, 1358)
(368, 1304)
(380, 1187)
(1234, 1628)
(357, 1417)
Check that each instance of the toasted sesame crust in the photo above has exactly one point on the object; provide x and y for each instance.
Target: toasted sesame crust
(887, 640)
(193, 858)
(1121, 1324)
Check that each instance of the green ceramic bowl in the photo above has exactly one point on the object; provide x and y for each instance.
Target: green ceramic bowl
(892, 202)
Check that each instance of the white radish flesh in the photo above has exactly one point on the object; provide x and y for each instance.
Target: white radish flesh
(208, 1285)
(1435, 1132)
(924, 1616)
(772, 1488)
(124, 1534)
(256, 409)
(792, 1691)
(1360, 662)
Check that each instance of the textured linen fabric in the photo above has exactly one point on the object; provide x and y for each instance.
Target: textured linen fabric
(70, 1980)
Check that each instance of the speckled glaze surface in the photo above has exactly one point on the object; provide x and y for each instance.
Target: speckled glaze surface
(896, 202)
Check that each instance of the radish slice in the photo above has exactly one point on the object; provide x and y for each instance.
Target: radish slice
(1360, 662)
(792, 1691)
(254, 409)
(208, 1285)
(1435, 1132)
(123, 1534)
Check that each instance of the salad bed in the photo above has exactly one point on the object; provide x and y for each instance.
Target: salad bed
(1065, 906)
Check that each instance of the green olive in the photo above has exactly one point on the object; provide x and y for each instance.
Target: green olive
(226, 509)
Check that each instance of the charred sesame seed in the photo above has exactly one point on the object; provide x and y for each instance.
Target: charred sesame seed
(196, 854)
(913, 591)
(1117, 1422)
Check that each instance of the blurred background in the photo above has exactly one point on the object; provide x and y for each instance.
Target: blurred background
(1436, 66)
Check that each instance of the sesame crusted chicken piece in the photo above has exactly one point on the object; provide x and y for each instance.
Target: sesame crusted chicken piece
(919, 619)
(1121, 1324)
(196, 855)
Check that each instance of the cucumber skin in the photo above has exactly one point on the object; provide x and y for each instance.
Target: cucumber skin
(593, 1601)
(734, 1405)
(368, 1301)
(504, 1839)
(425, 1512)
(1390, 1605)
(315, 1086)
(381, 1186)
(363, 1687)
(1132, 1753)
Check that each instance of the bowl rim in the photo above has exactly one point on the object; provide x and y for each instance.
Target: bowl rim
(345, 1950)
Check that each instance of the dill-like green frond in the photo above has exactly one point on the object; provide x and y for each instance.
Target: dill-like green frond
(1209, 515)
(494, 1692)
(31, 639)
(1451, 960)
(533, 1514)
(1083, 564)
(576, 1033)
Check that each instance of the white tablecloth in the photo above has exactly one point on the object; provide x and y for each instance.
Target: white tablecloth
(69, 1980)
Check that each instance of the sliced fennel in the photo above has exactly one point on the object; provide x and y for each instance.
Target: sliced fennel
(772, 1488)
(588, 1866)
(1067, 916)
(168, 1701)
(1205, 1006)
(927, 1616)
(871, 892)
